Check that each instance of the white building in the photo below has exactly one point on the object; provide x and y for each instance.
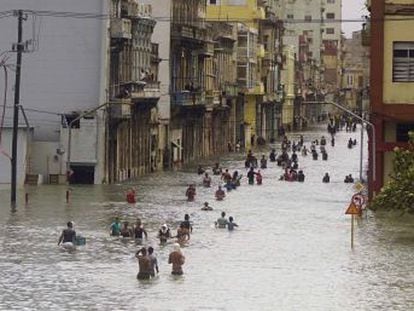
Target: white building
(23, 162)
(304, 16)
(332, 41)
(332, 15)
(63, 75)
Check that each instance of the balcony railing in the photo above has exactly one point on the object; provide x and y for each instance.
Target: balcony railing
(180, 31)
(208, 49)
(151, 90)
(121, 28)
(231, 90)
(188, 99)
(258, 89)
(226, 32)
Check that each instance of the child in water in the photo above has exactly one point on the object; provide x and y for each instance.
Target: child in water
(231, 224)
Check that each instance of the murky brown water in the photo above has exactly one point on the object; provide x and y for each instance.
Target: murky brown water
(291, 251)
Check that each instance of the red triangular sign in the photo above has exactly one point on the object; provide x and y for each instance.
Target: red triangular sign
(352, 210)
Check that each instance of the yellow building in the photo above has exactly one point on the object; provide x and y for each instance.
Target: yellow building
(246, 14)
(392, 82)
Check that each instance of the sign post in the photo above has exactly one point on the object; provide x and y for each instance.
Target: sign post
(352, 210)
(352, 230)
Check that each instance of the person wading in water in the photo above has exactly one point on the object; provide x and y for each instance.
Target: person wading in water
(177, 260)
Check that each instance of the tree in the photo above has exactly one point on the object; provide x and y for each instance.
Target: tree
(398, 193)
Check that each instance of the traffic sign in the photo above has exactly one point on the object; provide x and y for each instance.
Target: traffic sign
(358, 187)
(353, 210)
(358, 199)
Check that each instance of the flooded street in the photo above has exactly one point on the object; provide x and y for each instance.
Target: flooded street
(291, 251)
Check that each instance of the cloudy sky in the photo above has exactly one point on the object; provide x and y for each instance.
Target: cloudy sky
(352, 9)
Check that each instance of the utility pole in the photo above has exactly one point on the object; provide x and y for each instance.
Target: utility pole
(20, 49)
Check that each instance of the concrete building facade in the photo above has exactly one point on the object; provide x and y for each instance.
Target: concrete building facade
(355, 73)
(392, 82)
(133, 133)
(331, 45)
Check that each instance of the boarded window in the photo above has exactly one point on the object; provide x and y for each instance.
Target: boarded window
(403, 62)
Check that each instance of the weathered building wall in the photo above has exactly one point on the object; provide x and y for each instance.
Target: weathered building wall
(66, 69)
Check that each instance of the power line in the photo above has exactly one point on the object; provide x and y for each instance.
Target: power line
(38, 111)
(80, 15)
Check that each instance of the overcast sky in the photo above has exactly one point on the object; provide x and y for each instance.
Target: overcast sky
(352, 9)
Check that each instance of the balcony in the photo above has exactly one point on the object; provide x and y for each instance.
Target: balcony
(366, 34)
(226, 32)
(258, 89)
(191, 33)
(208, 49)
(231, 90)
(133, 9)
(120, 109)
(188, 99)
(148, 91)
(212, 98)
(121, 28)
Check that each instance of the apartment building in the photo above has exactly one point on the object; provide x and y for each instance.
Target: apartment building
(392, 83)
(331, 45)
(355, 73)
(133, 132)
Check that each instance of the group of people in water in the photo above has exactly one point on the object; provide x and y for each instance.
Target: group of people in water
(288, 160)
(147, 261)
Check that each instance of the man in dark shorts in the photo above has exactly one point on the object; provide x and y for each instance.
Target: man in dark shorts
(68, 235)
(144, 264)
(186, 224)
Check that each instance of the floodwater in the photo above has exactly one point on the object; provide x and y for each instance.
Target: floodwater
(291, 251)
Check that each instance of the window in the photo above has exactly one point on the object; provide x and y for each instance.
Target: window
(308, 18)
(403, 62)
(330, 31)
(214, 2)
(330, 15)
(330, 1)
(402, 132)
(290, 16)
